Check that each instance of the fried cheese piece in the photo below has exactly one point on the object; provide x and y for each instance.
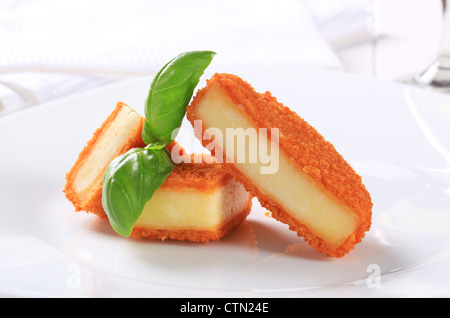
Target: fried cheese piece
(314, 190)
(197, 202)
(120, 132)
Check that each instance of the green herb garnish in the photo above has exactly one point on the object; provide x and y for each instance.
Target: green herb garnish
(170, 93)
(131, 179)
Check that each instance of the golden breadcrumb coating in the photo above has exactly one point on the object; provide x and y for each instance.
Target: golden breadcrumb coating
(199, 176)
(310, 152)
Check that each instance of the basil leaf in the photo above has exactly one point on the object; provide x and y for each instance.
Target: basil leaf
(170, 92)
(130, 181)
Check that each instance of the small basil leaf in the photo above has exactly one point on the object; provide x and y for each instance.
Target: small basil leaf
(170, 92)
(130, 181)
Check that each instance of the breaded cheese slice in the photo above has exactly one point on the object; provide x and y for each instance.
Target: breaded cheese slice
(120, 132)
(197, 202)
(314, 190)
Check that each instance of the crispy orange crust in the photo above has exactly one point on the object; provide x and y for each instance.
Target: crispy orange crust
(196, 171)
(194, 235)
(92, 200)
(199, 176)
(309, 151)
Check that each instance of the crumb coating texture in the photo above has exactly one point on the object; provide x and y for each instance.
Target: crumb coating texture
(308, 150)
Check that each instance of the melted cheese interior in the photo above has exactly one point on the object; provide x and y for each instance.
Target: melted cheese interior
(289, 187)
(189, 208)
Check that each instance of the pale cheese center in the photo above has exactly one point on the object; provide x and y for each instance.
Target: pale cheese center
(189, 208)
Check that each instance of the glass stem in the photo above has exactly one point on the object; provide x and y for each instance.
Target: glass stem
(444, 53)
(437, 75)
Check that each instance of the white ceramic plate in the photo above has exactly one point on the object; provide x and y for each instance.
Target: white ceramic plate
(396, 138)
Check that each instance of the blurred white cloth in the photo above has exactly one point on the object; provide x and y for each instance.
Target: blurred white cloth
(50, 48)
(345, 22)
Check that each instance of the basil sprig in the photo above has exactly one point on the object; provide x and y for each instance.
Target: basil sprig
(131, 179)
(170, 93)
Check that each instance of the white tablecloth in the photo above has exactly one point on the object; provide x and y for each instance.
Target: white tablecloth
(50, 48)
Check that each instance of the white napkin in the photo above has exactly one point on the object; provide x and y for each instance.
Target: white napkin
(51, 48)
